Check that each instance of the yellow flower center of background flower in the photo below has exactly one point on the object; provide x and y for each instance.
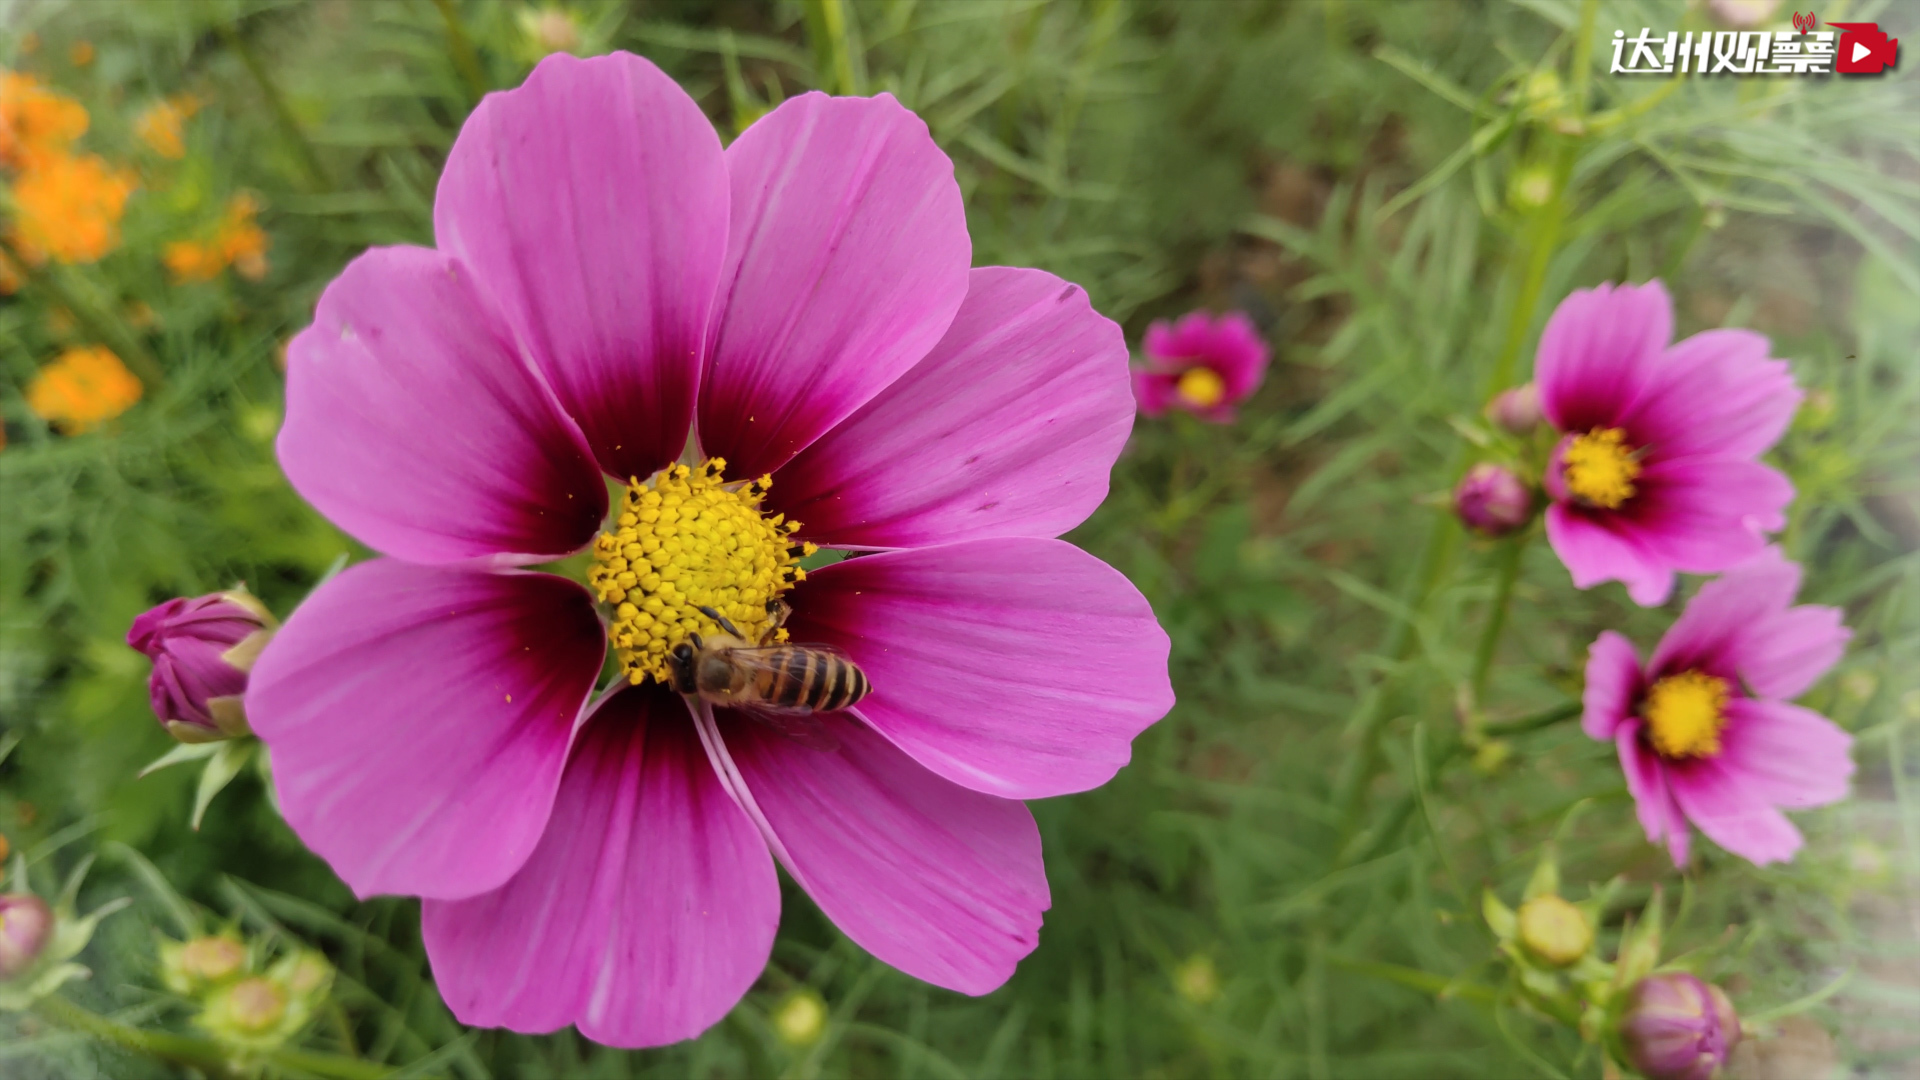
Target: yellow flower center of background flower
(684, 540)
(1685, 714)
(1600, 467)
(1202, 387)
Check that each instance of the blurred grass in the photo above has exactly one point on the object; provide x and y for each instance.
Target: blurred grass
(1301, 826)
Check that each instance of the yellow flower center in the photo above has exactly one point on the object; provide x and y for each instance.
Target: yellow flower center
(1685, 714)
(1600, 467)
(684, 540)
(1202, 387)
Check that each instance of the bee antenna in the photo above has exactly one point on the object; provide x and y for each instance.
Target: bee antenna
(725, 623)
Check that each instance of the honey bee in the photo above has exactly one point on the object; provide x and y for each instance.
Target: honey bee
(775, 683)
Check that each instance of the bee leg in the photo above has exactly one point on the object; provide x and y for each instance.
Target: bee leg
(777, 612)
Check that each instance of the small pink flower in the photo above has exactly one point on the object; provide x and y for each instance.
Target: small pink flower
(1657, 469)
(609, 280)
(202, 649)
(1705, 729)
(1201, 365)
(1516, 411)
(1492, 500)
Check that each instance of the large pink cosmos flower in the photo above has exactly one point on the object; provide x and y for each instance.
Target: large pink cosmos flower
(1202, 365)
(1656, 470)
(1704, 729)
(608, 280)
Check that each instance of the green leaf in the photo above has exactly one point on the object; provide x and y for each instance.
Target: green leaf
(1500, 918)
(220, 771)
(180, 753)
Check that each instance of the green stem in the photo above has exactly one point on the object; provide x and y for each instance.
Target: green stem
(832, 49)
(201, 1054)
(104, 328)
(1534, 722)
(282, 112)
(465, 60)
(1511, 554)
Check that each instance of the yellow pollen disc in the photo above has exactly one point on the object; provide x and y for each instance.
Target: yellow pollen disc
(1600, 467)
(1685, 714)
(1202, 387)
(684, 540)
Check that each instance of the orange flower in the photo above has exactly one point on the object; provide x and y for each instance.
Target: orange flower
(82, 389)
(160, 124)
(81, 53)
(69, 207)
(243, 242)
(35, 120)
(238, 242)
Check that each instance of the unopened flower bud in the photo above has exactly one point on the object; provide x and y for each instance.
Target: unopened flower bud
(801, 1019)
(254, 1005)
(1554, 930)
(202, 649)
(1197, 980)
(1516, 410)
(1677, 1027)
(190, 966)
(1742, 14)
(1492, 500)
(26, 924)
(549, 30)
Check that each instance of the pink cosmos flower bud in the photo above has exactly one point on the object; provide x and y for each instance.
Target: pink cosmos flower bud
(26, 922)
(1492, 500)
(1742, 14)
(1677, 1027)
(202, 649)
(1516, 410)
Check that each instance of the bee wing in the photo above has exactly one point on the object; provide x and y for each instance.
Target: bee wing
(800, 725)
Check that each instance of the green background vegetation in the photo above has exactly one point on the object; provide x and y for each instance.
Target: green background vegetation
(1286, 881)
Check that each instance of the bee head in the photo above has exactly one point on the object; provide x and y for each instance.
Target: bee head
(680, 665)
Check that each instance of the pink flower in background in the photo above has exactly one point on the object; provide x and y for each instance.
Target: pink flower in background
(1201, 365)
(1705, 729)
(1657, 470)
(608, 280)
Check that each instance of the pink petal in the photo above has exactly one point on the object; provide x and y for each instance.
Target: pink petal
(646, 912)
(1727, 804)
(1715, 393)
(419, 719)
(1705, 515)
(944, 883)
(1154, 391)
(1018, 667)
(1652, 798)
(414, 424)
(1008, 428)
(1613, 683)
(592, 201)
(846, 260)
(1725, 610)
(1597, 546)
(1790, 756)
(1597, 350)
(1786, 654)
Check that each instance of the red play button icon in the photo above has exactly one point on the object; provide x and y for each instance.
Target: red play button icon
(1865, 49)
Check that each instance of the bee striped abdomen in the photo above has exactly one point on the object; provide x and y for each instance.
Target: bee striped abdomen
(809, 679)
